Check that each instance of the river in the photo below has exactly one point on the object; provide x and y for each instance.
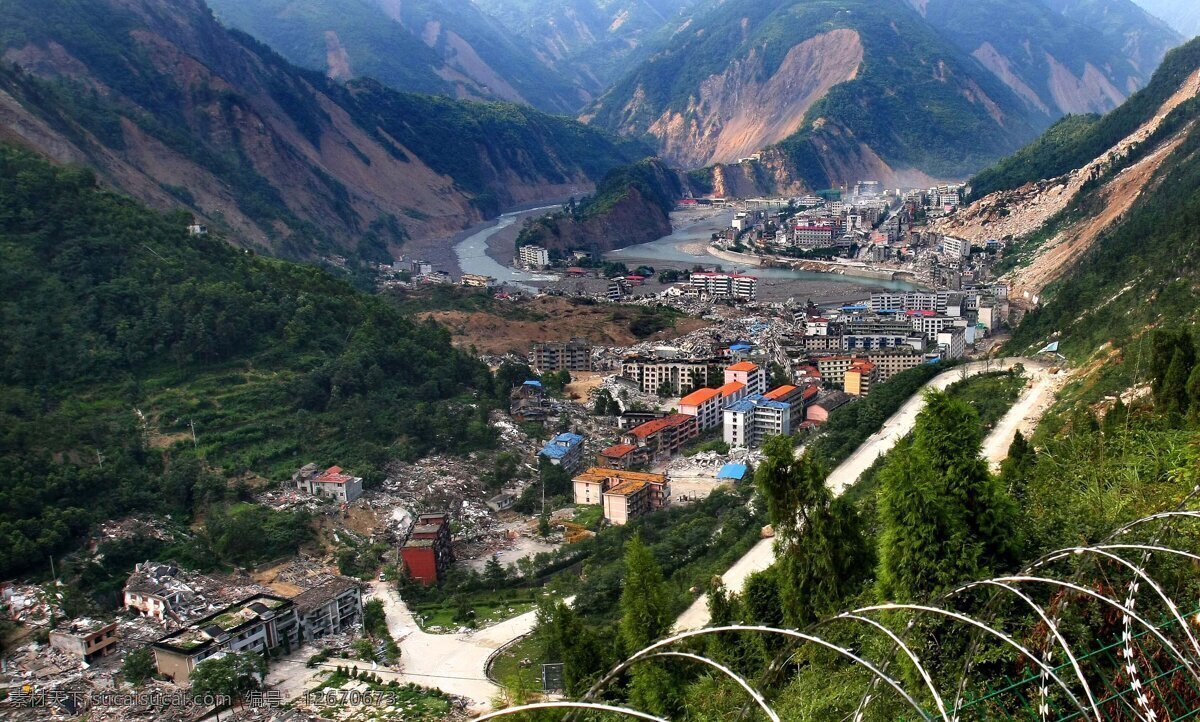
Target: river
(684, 248)
(688, 246)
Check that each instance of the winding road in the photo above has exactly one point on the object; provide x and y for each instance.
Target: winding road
(1028, 408)
(456, 663)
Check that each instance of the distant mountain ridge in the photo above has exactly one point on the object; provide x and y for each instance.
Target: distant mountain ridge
(176, 110)
(1183, 15)
(448, 47)
(825, 92)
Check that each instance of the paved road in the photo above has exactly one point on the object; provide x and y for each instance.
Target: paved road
(762, 555)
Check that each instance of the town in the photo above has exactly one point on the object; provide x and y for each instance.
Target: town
(595, 436)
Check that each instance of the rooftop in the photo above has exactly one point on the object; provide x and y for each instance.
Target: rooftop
(322, 594)
(561, 445)
(731, 388)
(618, 451)
(596, 474)
(656, 425)
(626, 488)
(780, 392)
(743, 366)
(699, 396)
(732, 471)
(334, 475)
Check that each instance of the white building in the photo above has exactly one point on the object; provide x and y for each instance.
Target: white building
(534, 257)
(956, 247)
(750, 375)
(725, 285)
(952, 343)
(749, 422)
(331, 483)
(705, 405)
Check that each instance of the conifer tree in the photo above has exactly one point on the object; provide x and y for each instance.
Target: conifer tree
(944, 517)
(1017, 467)
(1172, 395)
(819, 543)
(645, 618)
(1193, 393)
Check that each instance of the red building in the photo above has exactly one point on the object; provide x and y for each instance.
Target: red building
(428, 552)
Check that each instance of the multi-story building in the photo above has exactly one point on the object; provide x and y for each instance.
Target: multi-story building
(890, 363)
(859, 378)
(795, 397)
(812, 236)
(565, 451)
(623, 457)
(952, 343)
(678, 376)
(956, 248)
(429, 550)
(929, 323)
(753, 376)
(750, 421)
(331, 483)
(856, 342)
(623, 494)
(665, 437)
(85, 639)
(705, 405)
(154, 590)
(475, 280)
(331, 607)
(260, 623)
(534, 257)
(573, 355)
(833, 369)
(724, 285)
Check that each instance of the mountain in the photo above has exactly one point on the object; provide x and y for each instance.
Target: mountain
(1058, 56)
(427, 46)
(1183, 15)
(591, 41)
(832, 91)
(1102, 218)
(125, 335)
(631, 205)
(173, 108)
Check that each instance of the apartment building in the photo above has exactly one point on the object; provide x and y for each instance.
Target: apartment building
(665, 437)
(833, 369)
(428, 552)
(812, 236)
(331, 607)
(564, 451)
(929, 323)
(573, 355)
(534, 257)
(85, 639)
(952, 343)
(724, 285)
(260, 624)
(956, 248)
(623, 457)
(890, 363)
(679, 376)
(752, 420)
(705, 405)
(859, 378)
(750, 374)
(622, 494)
(796, 398)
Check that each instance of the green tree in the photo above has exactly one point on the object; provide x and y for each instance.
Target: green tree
(1172, 397)
(1017, 467)
(569, 640)
(779, 375)
(1193, 393)
(374, 618)
(943, 516)
(544, 524)
(1165, 345)
(819, 543)
(645, 617)
(231, 675)
(138, 666)
(494, 573)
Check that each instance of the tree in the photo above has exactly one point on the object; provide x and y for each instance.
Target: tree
(819, 544)
(494, 573)
(374, 618)
(1172, 397)
(1017, 467)
(138, 666)
(544, 524)
(1164, 345)
(229, 676)
(645, 617)
(779, 375)
(1193, 393)
(944, 517)
(570, 641)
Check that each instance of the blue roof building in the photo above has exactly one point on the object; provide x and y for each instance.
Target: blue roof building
(564, 450)
(750, 421)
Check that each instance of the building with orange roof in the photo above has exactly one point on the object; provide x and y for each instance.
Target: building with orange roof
(748, 373)
(795, 398)
(705, 405)
(859, 378)
(621, 457)
(665, 437)
(622, 494)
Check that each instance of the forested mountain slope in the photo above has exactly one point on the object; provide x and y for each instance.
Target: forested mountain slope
(1183, 15)
(173, 108)
(429, 46)
(123, 335)
(833, 91)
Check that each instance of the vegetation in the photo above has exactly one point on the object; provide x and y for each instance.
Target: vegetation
(1077, 140)
(138, 666)
(230, 676)
(125, 336)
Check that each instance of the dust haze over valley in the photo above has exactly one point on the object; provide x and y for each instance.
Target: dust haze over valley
(438, 360)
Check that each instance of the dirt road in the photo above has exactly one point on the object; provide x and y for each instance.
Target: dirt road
(762, 555)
